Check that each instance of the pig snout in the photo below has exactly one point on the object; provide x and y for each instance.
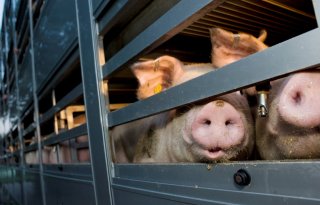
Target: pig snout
(218, 130)
(299, 101)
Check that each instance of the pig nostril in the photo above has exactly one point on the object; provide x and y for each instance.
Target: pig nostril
(206, 122)
(297, 98)
(228, 122)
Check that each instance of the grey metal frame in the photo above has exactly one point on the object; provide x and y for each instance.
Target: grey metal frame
(103, 182)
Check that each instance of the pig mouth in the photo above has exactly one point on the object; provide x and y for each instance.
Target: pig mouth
(214, 153)
(213, 150)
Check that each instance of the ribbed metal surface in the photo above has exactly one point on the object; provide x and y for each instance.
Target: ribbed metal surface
(282, 19)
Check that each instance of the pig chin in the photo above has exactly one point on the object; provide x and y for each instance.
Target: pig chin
(283, 141)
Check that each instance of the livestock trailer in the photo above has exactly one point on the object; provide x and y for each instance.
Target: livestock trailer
(65, 82)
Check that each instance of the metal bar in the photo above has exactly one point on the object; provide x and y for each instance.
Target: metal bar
(19, 126)
(98, 8)
(32, 147)
(120, 12)
(94, 103)
(316, 8)
(84, 169)
(71, 171)
(69, 61)
(29, 129)
(287, 16)
(66, 100)
(270, 180)
(180, 16)
(283, 6)
(253, 69)
(35, 102)
(64, 64)
(67, 135)
(260, 23)
(106, 21)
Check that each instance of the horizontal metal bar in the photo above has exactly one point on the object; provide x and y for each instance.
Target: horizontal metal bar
(17, 152)
(29, 129)
(66, 62)
(98, 8)
(254, 22)
(300, 53)
(106, 22)
(65, 101)
(69, 134)
(196, 194)
(32, 168)
(180, 16)
(269, 179)
(31, 147)
(75, 171)
(293, 10)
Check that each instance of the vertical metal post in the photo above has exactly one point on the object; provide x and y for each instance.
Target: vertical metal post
(94, 102)
(35, 102)
(20, 137)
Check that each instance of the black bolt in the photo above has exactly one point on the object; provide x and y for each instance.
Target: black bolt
(60, 168)
(242, 177)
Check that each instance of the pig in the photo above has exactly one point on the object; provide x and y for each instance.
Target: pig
(32, 157)
(228, 47)
(219, 129)
(292, 128)
(158, 75)
(60, 153)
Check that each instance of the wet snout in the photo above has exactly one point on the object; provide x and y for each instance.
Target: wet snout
(218, 126)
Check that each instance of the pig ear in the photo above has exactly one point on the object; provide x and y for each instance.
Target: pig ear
(263, 35)
(156, 75)
(228, 47)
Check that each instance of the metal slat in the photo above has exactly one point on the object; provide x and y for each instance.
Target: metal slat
(93, 98)
(119, 10)
(66, 135)
(275, 10)
(291, 9)
(65, 101)
(29, 129)
(248, 22)
(270, 182)
(32, 147)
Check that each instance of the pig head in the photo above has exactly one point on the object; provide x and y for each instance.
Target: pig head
(292, 128)
(185, 129)
(219, 129)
